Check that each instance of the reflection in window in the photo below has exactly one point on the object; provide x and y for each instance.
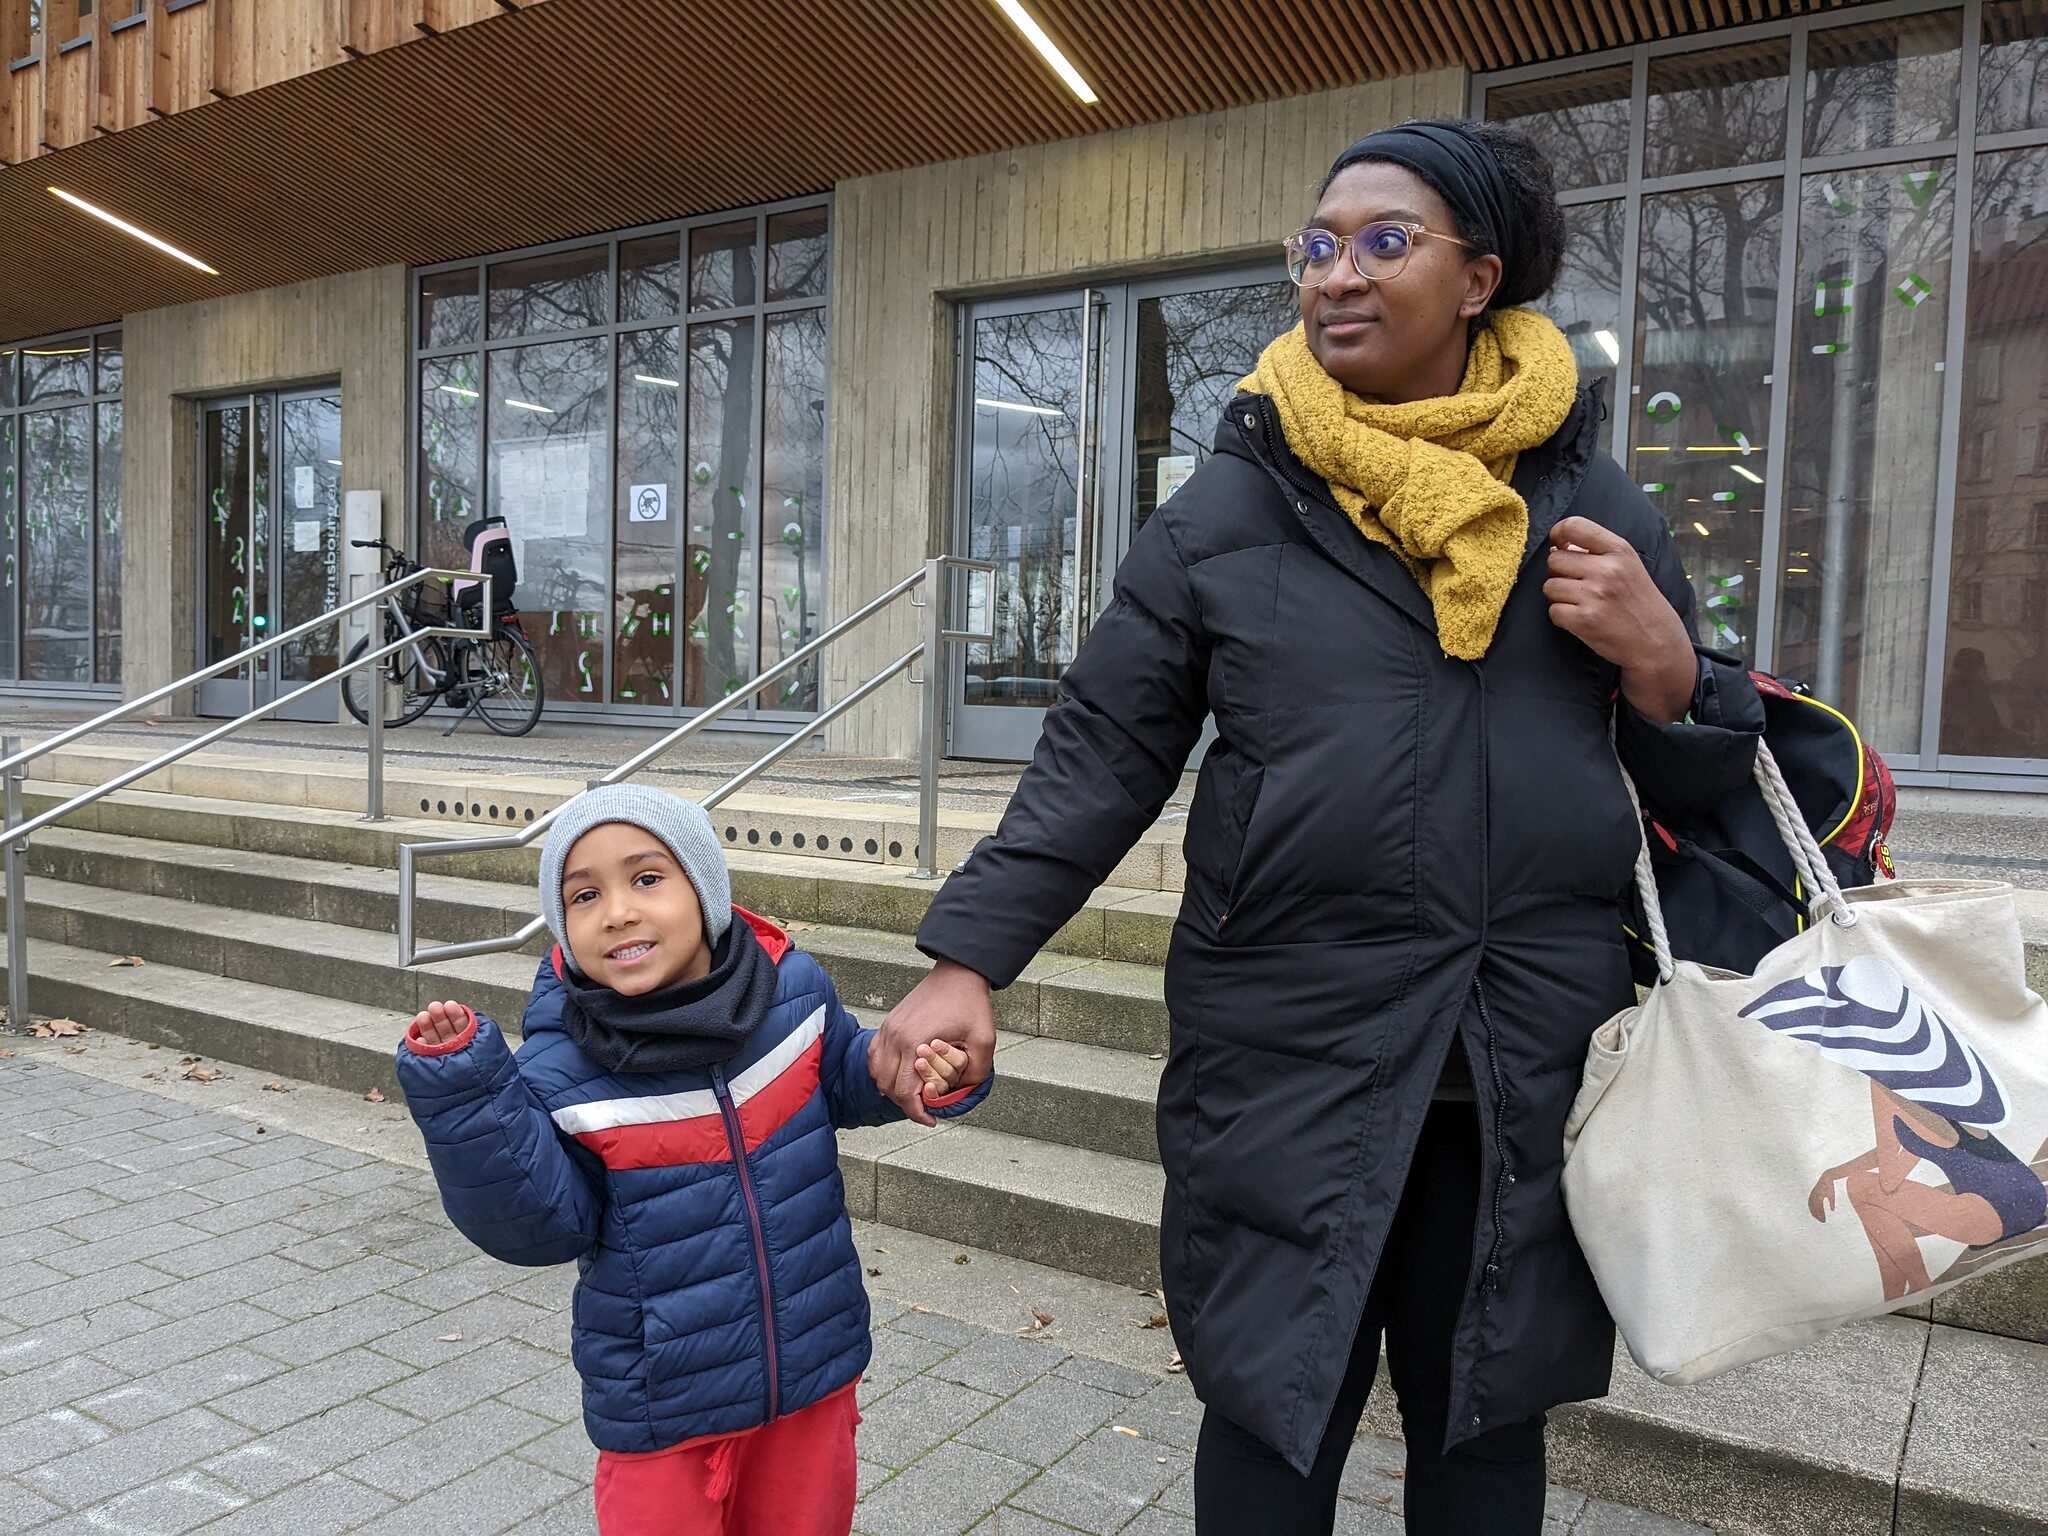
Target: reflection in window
(451, 313)
(650, 278)
(793, 499)
(56, 612)
(1586, 303)
(451, 442)
(110, 364)
(1867, 361)
(1995, 690)
(648, 502)
(1706, 313)
(1580, 121)
(1713, 111)
(720, 563)
(1192, 350)
(107, 553)
(56, 370)
(722, 265)
(2012, 70)
(540, 295)
(798, 250)
(1883, 83)
(547, 413)
(10, 360)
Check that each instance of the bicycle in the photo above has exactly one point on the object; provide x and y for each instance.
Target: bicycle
(498, 678)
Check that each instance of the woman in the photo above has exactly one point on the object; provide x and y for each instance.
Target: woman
(1413, 594)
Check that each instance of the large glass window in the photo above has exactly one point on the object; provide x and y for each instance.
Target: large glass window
(1795, 395)
(648, 415)
(1995, 688)
(60, 511)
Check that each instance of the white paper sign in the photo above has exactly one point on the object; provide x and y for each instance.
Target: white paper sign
(305, 490)
(542, 486)
(647, 503)
(306, 536)
(1173, 471)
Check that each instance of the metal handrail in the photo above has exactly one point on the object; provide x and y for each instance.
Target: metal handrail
(934, 576)
(14, 769)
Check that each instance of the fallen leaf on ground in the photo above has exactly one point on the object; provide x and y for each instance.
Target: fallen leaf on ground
(1125, 1429)
(274, 1088)
(1174, 1365)
(125, 960)
(55, 1029)
(156, 1045)
(872, 1271)
(199, 1074)
(261, 1132)
(374, 1096)
(1398, 1474)
(921, 1309)
(799, 927)
(448, 1338)
(6, 1055)
(961, 1258)
(1156, 1320)
(1040, 1320)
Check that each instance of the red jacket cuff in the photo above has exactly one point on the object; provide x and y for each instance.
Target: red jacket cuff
(947, 1101)
(420, 1047)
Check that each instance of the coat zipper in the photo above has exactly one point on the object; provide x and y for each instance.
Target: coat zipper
(730, 1112)
(1503, 1175)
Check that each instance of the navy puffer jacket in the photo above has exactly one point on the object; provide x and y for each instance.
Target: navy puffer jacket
(718, 1284)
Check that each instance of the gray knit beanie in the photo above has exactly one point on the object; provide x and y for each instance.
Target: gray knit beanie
(679, 823)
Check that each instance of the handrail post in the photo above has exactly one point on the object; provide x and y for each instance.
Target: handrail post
(937, 595)
(17, 895)
(374, 789)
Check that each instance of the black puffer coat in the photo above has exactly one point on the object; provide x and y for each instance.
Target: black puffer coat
(1391, 854)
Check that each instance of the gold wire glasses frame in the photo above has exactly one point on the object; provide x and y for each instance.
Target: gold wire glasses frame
(1369, 258)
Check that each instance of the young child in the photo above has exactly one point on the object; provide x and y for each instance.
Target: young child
(668, 1124)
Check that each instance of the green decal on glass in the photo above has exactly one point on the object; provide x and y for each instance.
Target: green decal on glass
(1914, 291)
(1834, 296)
(1920, 185)
(1830, 348)
(1663, 405)
(1835, 199)
(1654, 486)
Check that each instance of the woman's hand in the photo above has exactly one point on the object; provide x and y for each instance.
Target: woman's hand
(1600, 591)
(950, 1004)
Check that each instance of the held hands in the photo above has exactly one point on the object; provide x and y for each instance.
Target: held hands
(1601, 592)
(951, 1005)
(940, 1066)
(438, 1023)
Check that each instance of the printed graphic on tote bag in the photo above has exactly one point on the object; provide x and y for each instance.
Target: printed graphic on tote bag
(1933, 1100)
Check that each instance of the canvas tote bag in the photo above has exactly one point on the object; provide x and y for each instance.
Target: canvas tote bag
(1754, 1160)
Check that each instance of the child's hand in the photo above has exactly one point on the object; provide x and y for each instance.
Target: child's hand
(438, 1023)
(941, 1065)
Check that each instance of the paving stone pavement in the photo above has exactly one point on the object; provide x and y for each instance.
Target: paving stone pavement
(207, 1324)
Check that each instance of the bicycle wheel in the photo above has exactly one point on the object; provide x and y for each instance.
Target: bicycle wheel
(415, 690)
(507, 675)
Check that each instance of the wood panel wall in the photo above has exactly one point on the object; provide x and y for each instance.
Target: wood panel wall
(180, 56)
(907, 247)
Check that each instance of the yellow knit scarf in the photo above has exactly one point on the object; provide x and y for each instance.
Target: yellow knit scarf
(1429, 479)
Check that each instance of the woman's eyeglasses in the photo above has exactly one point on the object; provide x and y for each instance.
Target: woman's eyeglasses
(1378, 251)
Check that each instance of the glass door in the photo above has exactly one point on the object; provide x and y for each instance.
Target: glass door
(1031, 502)
(270, 545)
(1131, 397)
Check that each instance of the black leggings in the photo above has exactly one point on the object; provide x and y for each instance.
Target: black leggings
(1491, 1485)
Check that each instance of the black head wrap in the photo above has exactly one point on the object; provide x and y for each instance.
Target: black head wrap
(1458, 166)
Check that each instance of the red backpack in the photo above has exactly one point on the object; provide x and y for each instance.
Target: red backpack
(1729, 892)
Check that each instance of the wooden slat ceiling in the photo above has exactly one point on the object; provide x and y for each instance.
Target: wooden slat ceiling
(576, 116)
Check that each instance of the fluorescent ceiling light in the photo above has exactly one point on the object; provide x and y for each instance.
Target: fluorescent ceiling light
(53, 351)
(335, 462)
(129, 229)
(457, 389)
(1705, 532)
(1016, 405)
(1750, 475)
(648, 378)
(1610, 344)
(528, 405)
(1048, 50)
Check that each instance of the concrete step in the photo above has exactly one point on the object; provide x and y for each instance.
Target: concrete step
(467, 800)
(1074, 1208)
(1058, 1090)
(1118, 923)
